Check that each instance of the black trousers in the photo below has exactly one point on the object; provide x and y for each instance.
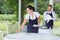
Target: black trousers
(49, 24)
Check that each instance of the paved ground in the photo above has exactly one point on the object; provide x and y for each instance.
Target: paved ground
(44, 34)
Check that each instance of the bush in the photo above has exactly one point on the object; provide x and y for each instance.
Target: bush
(9, 17)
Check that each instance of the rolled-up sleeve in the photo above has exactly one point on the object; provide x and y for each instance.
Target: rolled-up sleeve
(26, 16)
(37, 14)
(54, 16)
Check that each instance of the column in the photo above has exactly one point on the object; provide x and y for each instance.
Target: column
(51, 3)
(35, 5)
(19, 18)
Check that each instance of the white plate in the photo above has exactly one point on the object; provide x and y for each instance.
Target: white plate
(37, 25)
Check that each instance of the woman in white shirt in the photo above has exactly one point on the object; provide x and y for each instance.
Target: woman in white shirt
(32, 18)
(49, 17)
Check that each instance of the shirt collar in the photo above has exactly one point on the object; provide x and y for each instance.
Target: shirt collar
(49, 12)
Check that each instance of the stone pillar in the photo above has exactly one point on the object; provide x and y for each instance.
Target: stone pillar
(51, 3)
(19, 18)
(35, 5)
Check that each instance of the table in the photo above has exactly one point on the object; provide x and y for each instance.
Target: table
(44, 34)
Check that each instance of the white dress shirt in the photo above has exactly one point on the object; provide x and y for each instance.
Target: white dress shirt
(36, 14)
(48, 17)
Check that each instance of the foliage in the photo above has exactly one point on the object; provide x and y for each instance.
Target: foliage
(57, 9)
(9, 7)
(42, 6)
(8, 17)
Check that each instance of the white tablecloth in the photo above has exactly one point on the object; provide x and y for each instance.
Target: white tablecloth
(42, 35)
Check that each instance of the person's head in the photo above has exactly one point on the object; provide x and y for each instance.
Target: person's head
(30, 9)
(49, 7)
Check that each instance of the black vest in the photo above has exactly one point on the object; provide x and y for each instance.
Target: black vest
(50, 14)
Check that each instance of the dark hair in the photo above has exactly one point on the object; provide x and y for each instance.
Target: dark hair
(31, 7)
(50, 6)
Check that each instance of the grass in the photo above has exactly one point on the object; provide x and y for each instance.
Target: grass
(57, 24)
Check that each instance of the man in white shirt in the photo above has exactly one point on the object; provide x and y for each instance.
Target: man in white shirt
(49, 17)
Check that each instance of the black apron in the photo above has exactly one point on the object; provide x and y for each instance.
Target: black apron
(30, 28)
(50, 23)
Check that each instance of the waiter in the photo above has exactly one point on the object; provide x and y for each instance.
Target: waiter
(33, 18)
(49, 17)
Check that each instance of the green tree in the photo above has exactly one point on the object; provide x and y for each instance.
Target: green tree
(42, 6)
(57, 9)
(10, 7)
